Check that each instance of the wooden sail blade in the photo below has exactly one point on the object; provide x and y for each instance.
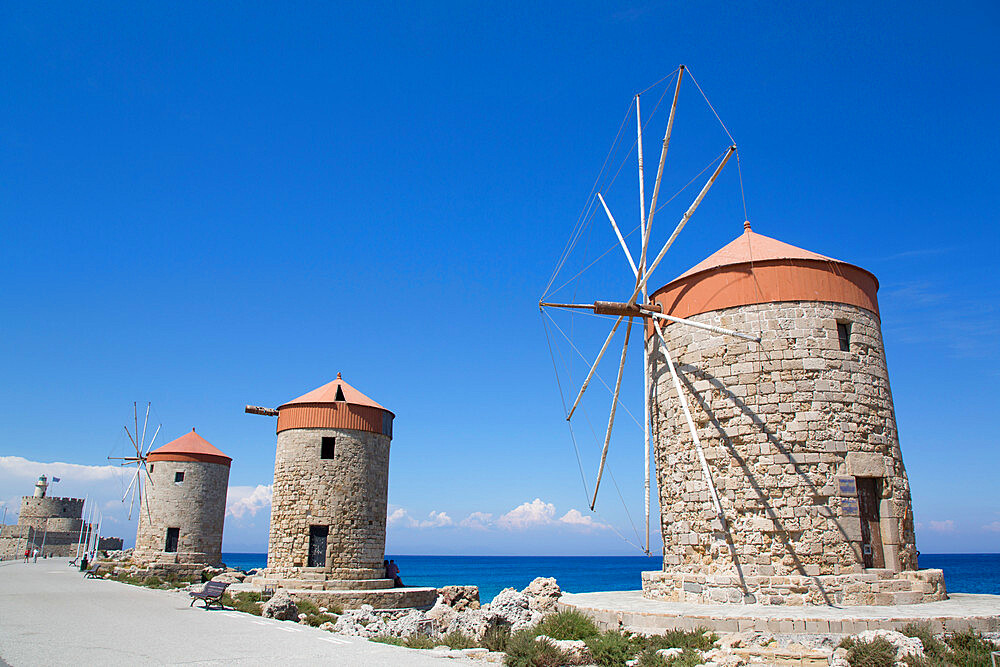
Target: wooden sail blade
(611, 417)
(680, 225)
(690, 423)
(621, 239)
(130, 484)
(132, 440)
(659, 171)
(152, 440)
(593, 368)
(642, 193)
(145, 422)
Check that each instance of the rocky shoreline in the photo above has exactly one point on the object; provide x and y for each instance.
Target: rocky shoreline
(458, 625)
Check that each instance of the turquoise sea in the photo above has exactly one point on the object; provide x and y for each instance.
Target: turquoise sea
(963, 573)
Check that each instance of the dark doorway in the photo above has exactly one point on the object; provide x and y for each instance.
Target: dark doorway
(172, 536)
(327, 448)
(317, 545)
(869, 495)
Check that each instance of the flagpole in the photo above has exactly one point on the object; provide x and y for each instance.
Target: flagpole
(83, 523)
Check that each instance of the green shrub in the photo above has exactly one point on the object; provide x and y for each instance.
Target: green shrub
(152, 581)
(245, 601)
(524, 651)
(970, 649)
(876, 653)
(934, 648)
(496, 637)
(388, 639)
(419, 641)
(611, 649)
(567, 625)
(699, 639)
(648, 657)
(459, 640)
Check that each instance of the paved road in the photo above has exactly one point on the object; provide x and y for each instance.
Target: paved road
(51, 615)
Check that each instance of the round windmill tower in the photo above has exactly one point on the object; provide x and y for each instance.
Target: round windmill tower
(795, 490)
(184, 505)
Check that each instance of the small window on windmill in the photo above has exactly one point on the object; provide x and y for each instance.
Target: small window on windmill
(340, 394)
(178, 477)
(844, 334)
(150, 468)
(327, 448)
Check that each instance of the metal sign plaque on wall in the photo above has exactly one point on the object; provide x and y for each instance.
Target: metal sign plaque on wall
(849, 507)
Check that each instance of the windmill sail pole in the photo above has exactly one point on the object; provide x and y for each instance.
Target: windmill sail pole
(593, 368)
(659, 175)
(618, 233)
(680, 225)
(645, 352)
(690, 423)
(611, 419)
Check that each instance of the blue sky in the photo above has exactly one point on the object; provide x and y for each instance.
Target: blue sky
(209, 206)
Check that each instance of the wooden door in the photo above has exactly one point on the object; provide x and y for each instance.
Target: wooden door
(317, 545)
(869, 495)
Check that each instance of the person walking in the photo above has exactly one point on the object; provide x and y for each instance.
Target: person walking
(27, 552)
(35, 554)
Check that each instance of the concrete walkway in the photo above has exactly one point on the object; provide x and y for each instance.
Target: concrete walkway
(51, 615)
(615, 609)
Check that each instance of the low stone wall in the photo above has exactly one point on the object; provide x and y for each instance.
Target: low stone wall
(392, 598)
(871, 587)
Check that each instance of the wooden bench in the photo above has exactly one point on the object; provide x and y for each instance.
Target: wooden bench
(92, 573)
(211, 594)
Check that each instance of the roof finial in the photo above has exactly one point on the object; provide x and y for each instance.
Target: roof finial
(746, 225)
(338, 375)
(192, 429)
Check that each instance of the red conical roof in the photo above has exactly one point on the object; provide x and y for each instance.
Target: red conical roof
(755, 269)
(337, 391)
(335, 405)
(753, 247)
(189, 447)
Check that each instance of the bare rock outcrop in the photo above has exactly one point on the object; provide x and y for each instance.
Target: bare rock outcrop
(460, 598)
(543, 595)
(281, 607)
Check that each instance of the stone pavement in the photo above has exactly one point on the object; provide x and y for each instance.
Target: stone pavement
(630, 609)
(51, 615)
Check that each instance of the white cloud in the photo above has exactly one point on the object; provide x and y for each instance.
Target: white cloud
(993, 527)
(247, 500)
(437, 520)
(946, 526)
(20, 467)
(575, 518)
(528, 515)
(539, 513)
(477, 521)
(399, 516)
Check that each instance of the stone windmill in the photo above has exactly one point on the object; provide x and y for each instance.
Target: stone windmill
(778, 464)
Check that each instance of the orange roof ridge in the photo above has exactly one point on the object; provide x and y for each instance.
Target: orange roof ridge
(328, 393)
(190, 444)
(753, 247)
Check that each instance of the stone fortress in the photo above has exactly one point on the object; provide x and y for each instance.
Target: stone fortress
(799, 434)
(184, 508)
(52, 525)
(330, 498)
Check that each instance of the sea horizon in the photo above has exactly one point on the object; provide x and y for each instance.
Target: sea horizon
(963, 572)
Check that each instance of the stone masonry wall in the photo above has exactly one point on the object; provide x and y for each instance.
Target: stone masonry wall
(348, 493)
(196, 506)
(785, 426)
(36, 512)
